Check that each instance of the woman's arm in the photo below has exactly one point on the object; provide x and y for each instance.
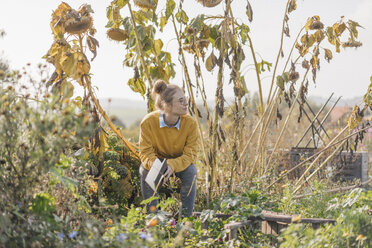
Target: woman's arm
(189, 151)
(147, 151)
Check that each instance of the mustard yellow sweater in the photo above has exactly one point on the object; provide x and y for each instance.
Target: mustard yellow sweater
(179, 147)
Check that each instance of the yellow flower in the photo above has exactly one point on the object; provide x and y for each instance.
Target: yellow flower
(93, 187)
(109, 222)
(361, 237)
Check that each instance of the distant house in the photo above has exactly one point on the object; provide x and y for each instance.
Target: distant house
(339, 112)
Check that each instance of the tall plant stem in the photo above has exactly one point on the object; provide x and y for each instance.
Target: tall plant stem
(100, 109)
(292, 48)
(191, 94)
(217, 101)
(261, 141)
(264, 130)
(141, 55)
(286, 121)
(257, 74)
(252, 135)
(237, 120)
(280, 50)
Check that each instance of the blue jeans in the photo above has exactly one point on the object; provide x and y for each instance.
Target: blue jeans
(187, 177)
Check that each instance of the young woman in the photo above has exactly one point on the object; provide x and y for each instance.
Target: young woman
(169, 133)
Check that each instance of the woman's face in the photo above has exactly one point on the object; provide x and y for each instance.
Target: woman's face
(179, 104)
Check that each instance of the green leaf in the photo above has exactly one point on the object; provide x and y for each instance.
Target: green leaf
(243, 87)
(249, 11)
(280, 82)
(198, 23)
(127, 23)
(121, 3)
(182, 17)
(261, 66)
(141, 32)
(158, 44)
(109, 13)
(109, 24)
(163, 22)
(213, 34)
(67, 89)
(244, 30)
(43, 204)
(137, 86)
(169, 9)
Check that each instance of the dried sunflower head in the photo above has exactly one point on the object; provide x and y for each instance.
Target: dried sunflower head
(77, 24)
(190, 31)
(117, 34)
(209, 3)
(316, 25)
(294, 76)
(148, 4)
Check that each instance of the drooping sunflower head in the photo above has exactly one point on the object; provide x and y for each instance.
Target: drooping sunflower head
(148, 4)
(117, 34)
(316, 25)
(209, 3)
(76, 23)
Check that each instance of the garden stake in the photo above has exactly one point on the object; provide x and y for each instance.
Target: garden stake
(320, 166)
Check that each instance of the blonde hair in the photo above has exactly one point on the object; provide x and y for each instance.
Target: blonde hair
(164, 93)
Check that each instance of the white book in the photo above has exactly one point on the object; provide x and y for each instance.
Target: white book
(156, 172)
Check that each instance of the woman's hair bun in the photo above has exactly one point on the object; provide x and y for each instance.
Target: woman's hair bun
(159, 86)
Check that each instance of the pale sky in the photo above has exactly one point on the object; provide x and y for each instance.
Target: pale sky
(29, 37)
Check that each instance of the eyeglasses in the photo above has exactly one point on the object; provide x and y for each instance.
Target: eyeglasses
(183, 100)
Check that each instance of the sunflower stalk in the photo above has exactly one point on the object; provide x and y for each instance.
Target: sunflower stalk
(191, 94)
(236, 110)
(213, 150)
(257, 74)
(286, 121)
(100, 109)
(140, 51)
(280, 51)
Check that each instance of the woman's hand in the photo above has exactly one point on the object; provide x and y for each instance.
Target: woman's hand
(167, 174)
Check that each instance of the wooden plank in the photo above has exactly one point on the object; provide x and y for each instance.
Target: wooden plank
(273, 216)
(233, 228)
(271, 222)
